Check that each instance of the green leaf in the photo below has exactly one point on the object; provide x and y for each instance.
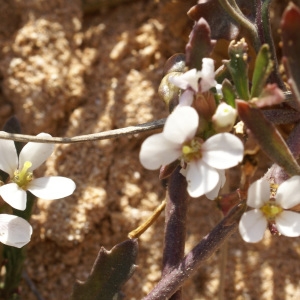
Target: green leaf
(199, 46)
(290, 29)
(238, 67)
(228, 92)
(110, 271)
(268, 137)
(262, 70)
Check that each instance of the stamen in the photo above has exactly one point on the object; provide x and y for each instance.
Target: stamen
(271, 210)
(192, 150)
(23, 177)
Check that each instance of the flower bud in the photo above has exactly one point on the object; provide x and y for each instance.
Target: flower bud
(224, 117)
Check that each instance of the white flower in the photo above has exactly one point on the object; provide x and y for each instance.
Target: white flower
(191, 78)
(206, 161)
(14, 231)
(20, 171)
(253, 223)
(224, 117)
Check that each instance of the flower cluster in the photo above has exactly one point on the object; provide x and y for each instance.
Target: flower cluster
(194, 81)
(203, 162)
(271, 211)
(14, 230)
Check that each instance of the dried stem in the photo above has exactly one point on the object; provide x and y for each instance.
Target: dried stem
(88, 137)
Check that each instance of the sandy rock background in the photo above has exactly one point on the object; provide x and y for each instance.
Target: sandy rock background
(70, 72)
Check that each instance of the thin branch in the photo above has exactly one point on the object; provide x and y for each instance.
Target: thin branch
(172, 281)
(230, 8)
(110, 134)
(32, 286)
(175, 227)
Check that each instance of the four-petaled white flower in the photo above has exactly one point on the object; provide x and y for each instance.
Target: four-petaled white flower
(194, 81)
(253, 223)
(14, 231)
(206, 161)
(20, 171)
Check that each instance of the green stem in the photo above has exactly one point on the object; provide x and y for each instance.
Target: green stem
(14, 258)
(267, 36)
(235, 13)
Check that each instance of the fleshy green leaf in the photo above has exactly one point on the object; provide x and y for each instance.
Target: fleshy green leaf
(199, 46)
(262, 70)
(290, 28)
(110, 271)
(228, 92)
(268, 138)
(238, 67)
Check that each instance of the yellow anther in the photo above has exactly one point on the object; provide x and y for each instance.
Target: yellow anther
(23, 177)
(191, 150)
(271, 210)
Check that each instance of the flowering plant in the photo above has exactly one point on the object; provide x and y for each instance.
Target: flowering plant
(203, 161)
(20, 170)
(273, 212)
(221, 113)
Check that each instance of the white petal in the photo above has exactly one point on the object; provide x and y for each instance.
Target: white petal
(14, 231)
(207, 75)
(215, 191)
(187, 79)
(201, 179)
(179, 81)
(186, 98)
(288, 193)
(258, 193)
(52, 188)
(288, 223)
(36, 153)
(222, 151)
(156, 151)
(252, 226)
(8, 157)
(181, 125)
(14, 196)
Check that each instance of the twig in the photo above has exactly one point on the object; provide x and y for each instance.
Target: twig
(136, 233)
(175, 228)
(31, 286)
(192, 261)
(115, 133)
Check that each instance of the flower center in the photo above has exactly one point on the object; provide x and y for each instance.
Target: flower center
(191, 150)
(271, 210)
(23, 177)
